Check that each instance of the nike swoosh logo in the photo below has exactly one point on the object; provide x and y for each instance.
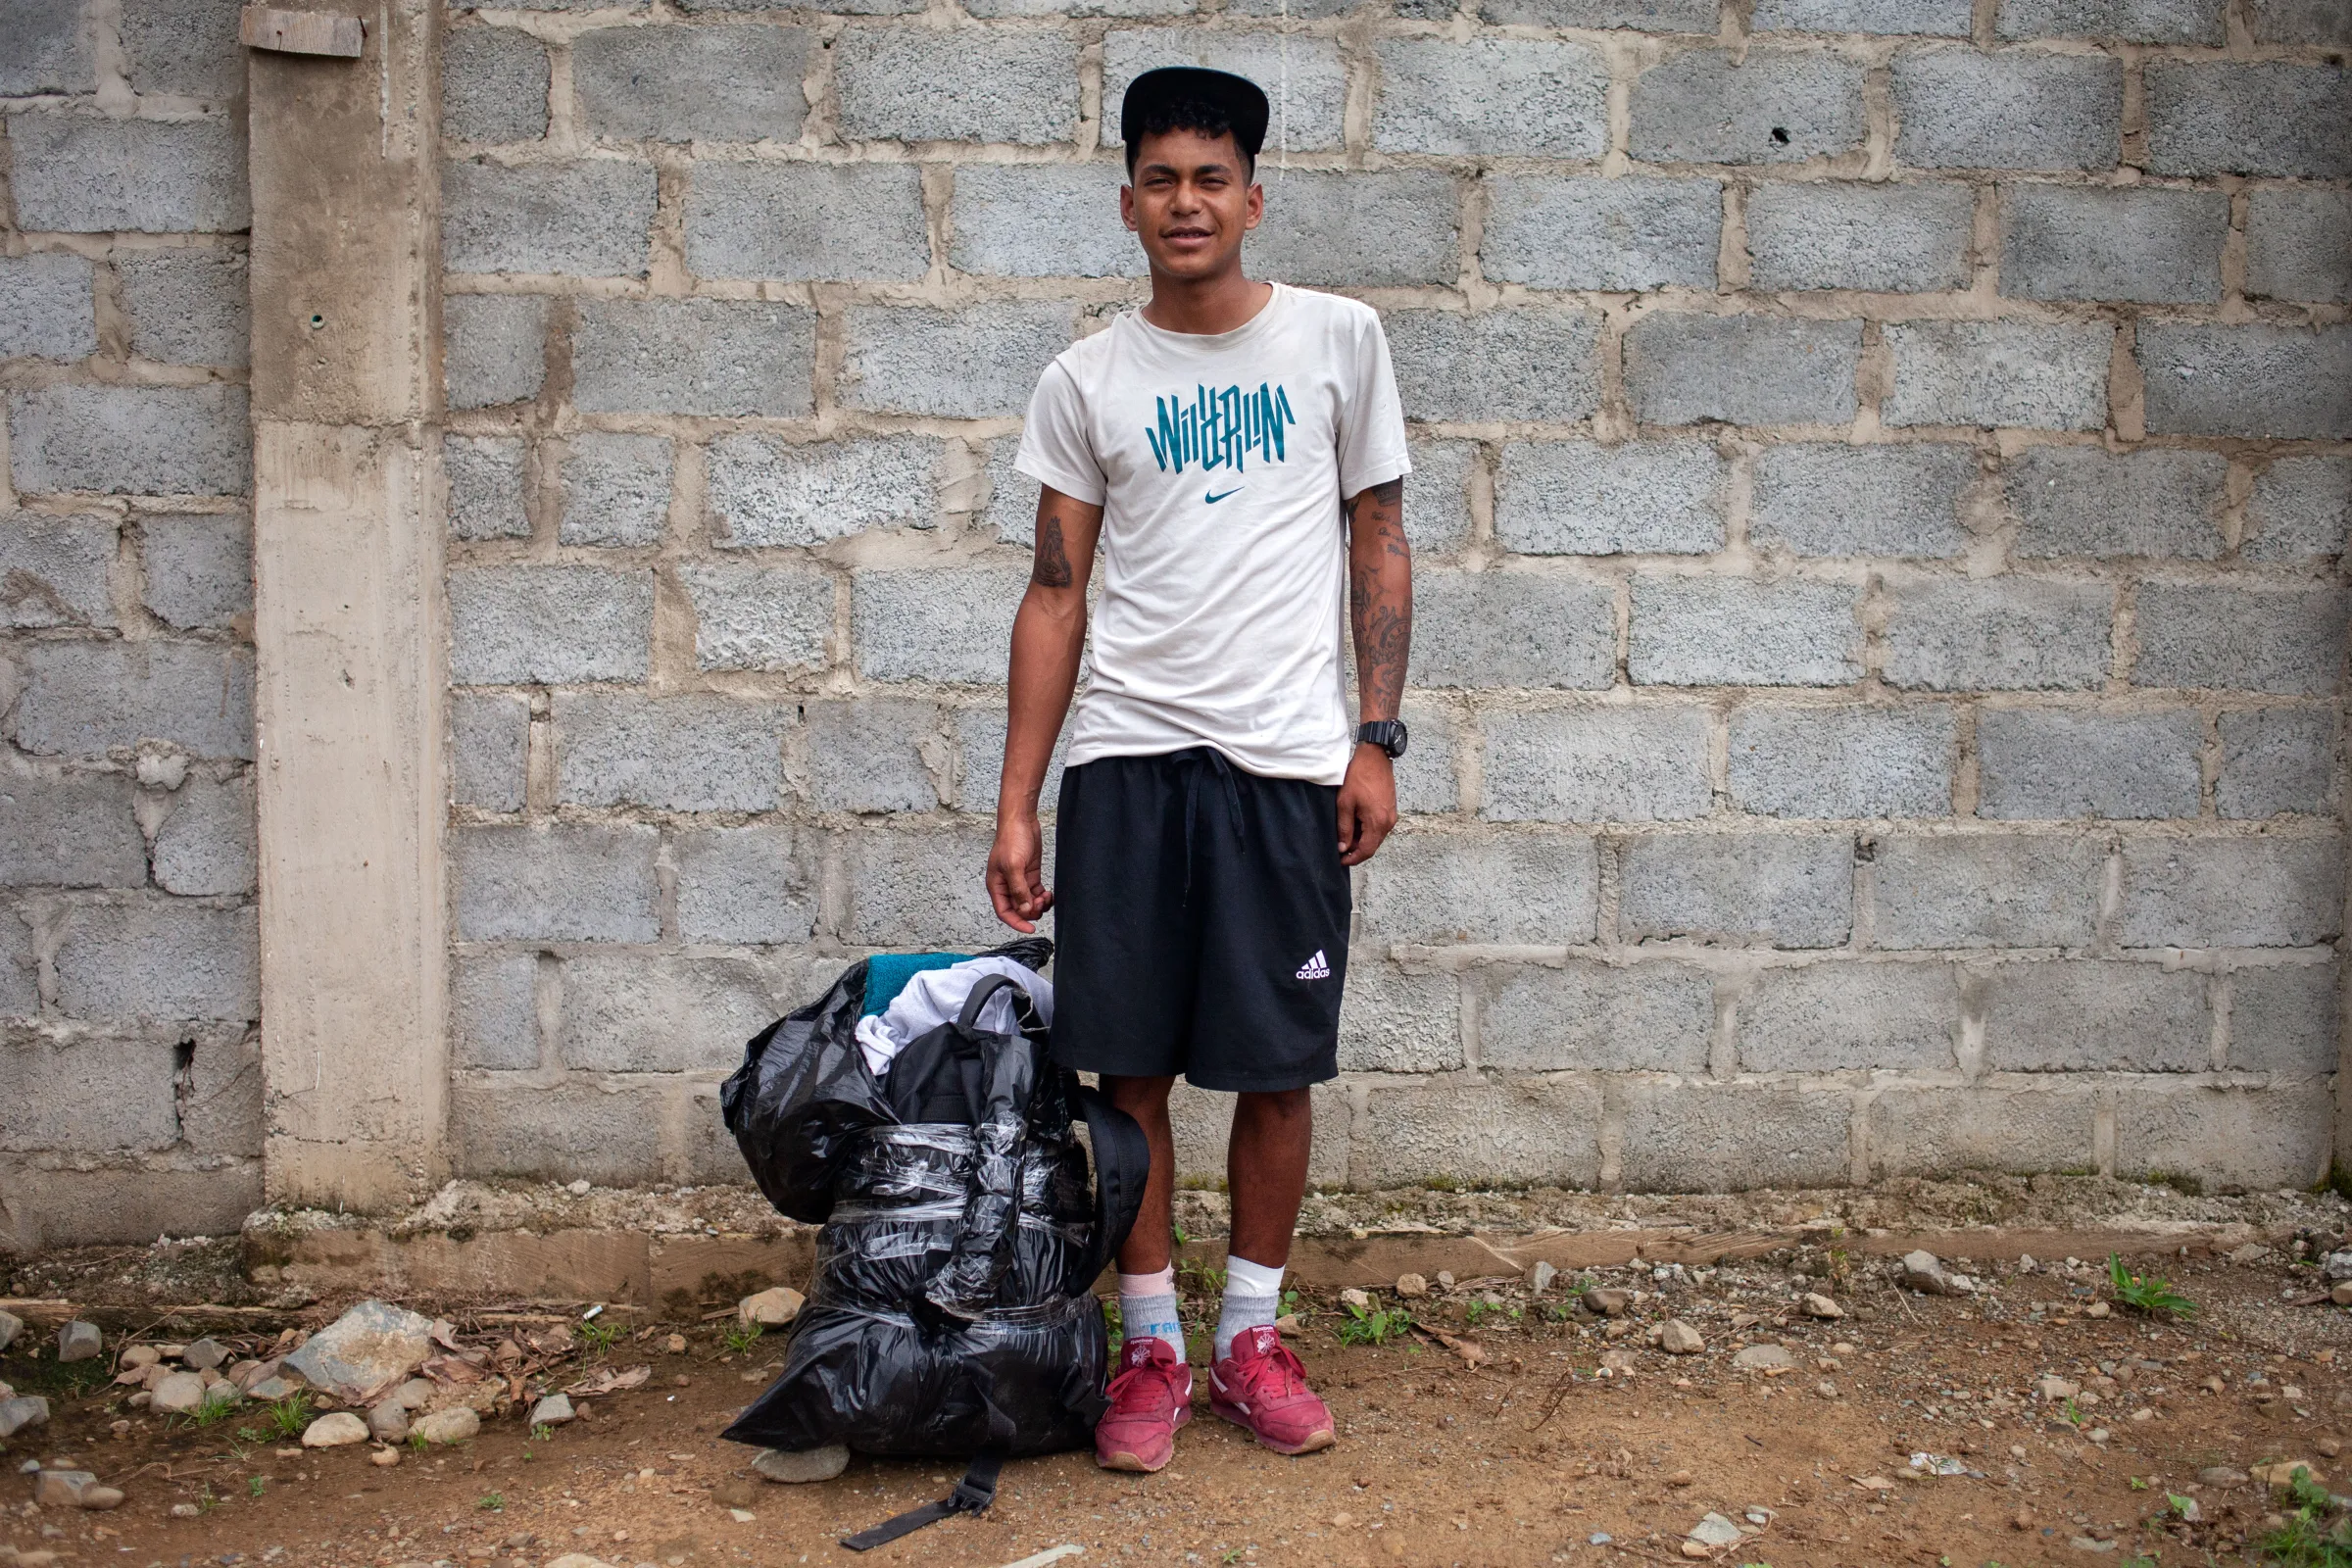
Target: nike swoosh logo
(1212, 500)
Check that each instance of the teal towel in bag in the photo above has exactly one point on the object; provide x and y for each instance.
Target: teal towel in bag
(887, 974)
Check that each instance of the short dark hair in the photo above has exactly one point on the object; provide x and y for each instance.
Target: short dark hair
(1203, 116)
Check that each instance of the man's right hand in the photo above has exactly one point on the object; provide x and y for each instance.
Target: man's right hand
(1016, 885)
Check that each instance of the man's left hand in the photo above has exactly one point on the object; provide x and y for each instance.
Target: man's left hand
(1367, 805)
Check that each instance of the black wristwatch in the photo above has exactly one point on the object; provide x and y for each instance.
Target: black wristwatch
(1387, 733)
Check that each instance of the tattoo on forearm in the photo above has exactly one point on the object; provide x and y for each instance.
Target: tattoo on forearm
(1051, 568)
(1381, 599)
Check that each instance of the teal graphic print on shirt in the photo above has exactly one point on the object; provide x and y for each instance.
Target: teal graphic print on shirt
(1221, 430)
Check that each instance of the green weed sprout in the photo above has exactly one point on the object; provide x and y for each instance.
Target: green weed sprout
(2146, 1292)
(493, 1502)
(542, 1432)
(2306, 1540)
(1114, 1324)
(291, 1415)
(255, 1485)
(741, 1337)
(1377, 1325)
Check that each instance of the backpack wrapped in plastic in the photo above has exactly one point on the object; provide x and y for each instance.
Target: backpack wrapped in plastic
(951, 1312)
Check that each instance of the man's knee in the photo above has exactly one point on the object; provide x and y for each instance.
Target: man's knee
(1280, 1102)
(1138, 1097)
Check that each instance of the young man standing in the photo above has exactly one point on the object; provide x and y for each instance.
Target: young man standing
(1238, 451)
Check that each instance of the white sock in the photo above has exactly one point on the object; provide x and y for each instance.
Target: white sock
(1147, 1308)
(1252, 1300)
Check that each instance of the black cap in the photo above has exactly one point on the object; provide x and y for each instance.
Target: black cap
(1242, 100)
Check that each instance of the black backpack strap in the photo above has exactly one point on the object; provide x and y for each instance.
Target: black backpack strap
(1024, 1012)
(1122, 1164)
(972, 1495)
(974, 1492)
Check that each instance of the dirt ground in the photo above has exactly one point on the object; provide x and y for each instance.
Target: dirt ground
(1515, 1448)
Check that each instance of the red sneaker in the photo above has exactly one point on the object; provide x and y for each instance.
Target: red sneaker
(1149, 1399)
(1262, 1387)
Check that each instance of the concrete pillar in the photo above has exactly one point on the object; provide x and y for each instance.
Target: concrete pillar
(348, 615)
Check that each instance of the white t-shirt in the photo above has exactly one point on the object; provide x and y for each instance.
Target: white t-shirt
(1219, 462)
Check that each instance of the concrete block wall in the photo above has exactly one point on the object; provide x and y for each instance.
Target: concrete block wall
(130, 1091)
(1881, 492)
(1880, 505)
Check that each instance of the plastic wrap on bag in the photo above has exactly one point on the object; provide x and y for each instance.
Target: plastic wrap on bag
(952, 1310)
(968, 1281)
(802, 1096)
(865, 1367)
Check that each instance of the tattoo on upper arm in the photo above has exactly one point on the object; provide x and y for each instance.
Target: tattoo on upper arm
(1383, 506)
(1051, 567)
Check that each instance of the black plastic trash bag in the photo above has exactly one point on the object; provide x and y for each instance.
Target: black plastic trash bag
(952, 1310)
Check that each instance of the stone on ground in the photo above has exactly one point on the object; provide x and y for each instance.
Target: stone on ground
(338, 1429)
(368, 1349)
(60, 1489)
(415, 1394)
(1821, 1306)
(205, 1354)
(2340, 1293)
(1411, 1285)
(2282, 1471)
(176, 1394)
(22, 1411)
(448, 1426)
(809, 1464)
(80, 1342)
(1359, 1300)
(140, 1355)
(553, 1411)
(1677, 1338)
(2053, 1388)
(1758, 1356)
(278, 1385)
(1715, 1530)
(1539, 1276)
(389, 1421)
(1924, 1272)
(1607, 1303)
(385, 1457)
(770, 1308)
(74, 1488)
(578, 1559)
(11, 1326)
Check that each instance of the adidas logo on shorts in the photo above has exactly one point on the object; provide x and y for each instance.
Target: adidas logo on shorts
(1314, 969)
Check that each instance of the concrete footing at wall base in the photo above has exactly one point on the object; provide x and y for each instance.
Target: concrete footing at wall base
(686, 1251)
(681, 1277)
(680, 1254)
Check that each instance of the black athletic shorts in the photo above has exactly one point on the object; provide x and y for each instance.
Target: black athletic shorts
(1201, 922)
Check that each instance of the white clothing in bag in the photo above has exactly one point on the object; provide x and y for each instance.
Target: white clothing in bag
(936, 995)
